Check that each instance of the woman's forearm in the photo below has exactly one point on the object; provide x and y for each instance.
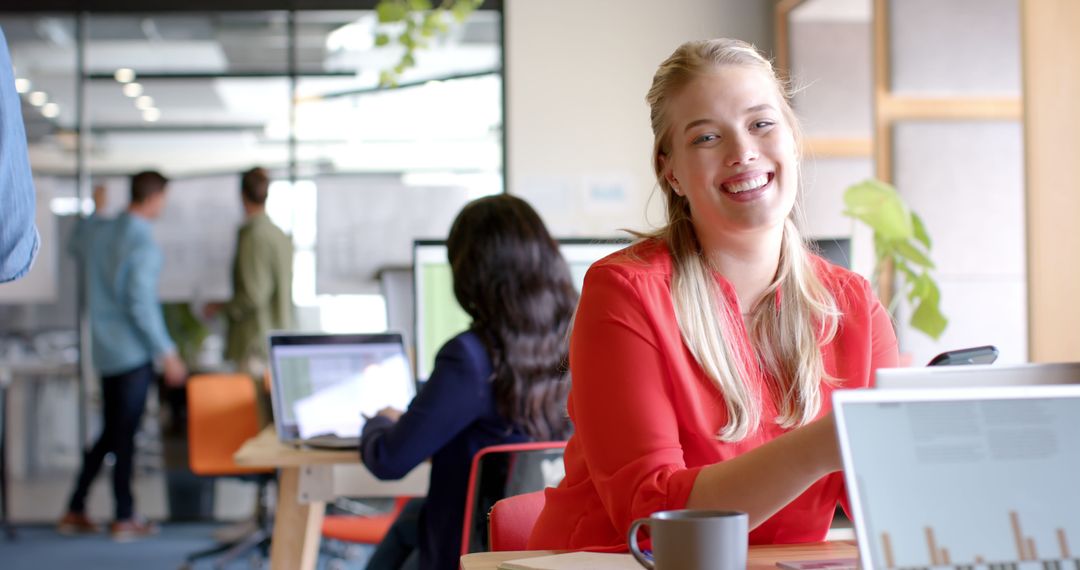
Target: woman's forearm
(763, 481)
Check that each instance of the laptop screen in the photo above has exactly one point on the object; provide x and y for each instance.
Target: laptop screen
(951, 478)
(324, 384)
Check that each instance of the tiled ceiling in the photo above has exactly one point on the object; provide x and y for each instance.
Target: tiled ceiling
(213, 52)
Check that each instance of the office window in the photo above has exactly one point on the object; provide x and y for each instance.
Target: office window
(203, 96)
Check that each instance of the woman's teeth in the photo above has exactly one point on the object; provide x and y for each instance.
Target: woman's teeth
(747, 184)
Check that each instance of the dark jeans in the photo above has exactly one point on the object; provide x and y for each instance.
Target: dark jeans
(399, 548)
(125, 400)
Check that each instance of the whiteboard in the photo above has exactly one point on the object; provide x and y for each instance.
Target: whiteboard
(366, 223)
(197, 236)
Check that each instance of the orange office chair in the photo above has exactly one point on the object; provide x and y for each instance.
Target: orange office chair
(222, 415)
(362, 529)
(501, 471)
(512, 519)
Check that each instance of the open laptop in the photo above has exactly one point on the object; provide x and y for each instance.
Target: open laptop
(978, 375)
(323, 385)
(963, 477)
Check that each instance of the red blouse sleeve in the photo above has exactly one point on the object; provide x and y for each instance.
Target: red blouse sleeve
(884, 351)
(621, 403)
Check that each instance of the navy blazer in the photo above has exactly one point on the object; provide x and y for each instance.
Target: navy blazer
(451, 419)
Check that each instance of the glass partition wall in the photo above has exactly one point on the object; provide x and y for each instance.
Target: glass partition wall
(204, 96)
(359, 171)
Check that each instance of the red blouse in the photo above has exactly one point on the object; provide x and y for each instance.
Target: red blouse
(646, 415)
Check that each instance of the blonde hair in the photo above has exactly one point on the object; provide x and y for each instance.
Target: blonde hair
(787, 335)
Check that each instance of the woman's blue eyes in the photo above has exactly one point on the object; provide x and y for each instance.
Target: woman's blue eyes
(705, 138)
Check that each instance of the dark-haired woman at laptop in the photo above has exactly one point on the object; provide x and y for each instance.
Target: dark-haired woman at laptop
(504, 380)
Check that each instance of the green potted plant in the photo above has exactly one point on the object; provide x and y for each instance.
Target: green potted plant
(902, 248)
(413, 24)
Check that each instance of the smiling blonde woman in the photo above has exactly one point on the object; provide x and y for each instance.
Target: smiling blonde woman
(704, 355)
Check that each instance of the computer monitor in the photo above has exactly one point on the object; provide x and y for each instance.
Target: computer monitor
(438, 315)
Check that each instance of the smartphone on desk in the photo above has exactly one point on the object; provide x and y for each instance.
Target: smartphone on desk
(974, 355)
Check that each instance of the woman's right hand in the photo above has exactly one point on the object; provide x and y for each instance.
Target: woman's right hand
(392, 413)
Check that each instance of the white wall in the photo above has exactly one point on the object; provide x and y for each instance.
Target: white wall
(577, 124)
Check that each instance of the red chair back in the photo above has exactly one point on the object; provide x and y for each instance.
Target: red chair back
(501, 471)
(512, 519)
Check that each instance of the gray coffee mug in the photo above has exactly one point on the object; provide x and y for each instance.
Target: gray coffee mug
(693, 540)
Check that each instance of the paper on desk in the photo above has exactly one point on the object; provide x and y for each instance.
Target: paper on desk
(575, 561)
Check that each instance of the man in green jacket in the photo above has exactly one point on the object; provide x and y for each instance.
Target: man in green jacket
(262, 282)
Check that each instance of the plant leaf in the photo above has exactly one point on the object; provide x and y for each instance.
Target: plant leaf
(878, 205)
(918, 285)
(920, 230)
(928, 318)
(382, 39)
(430, 24)
(910, 252)
(909, 276)
(389, 11)
(420, 5)
(881, 249)
(461, 9)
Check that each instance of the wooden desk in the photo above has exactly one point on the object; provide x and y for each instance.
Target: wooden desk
(307, 479)
(761, 557)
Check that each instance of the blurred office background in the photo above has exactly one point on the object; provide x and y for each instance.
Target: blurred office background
(201, 95)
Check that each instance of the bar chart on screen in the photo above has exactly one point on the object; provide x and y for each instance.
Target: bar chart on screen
(1056, 554)
(970, 484)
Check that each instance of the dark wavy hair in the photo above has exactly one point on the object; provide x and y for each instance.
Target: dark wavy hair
(511, 279)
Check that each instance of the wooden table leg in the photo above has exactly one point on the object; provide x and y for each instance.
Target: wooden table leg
(297, 527)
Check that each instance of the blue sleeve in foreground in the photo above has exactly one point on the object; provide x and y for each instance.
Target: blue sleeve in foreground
(19, 240)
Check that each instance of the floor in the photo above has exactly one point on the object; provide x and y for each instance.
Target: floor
(36, 502)
(37, 547)
(42, 498)
(42, 461)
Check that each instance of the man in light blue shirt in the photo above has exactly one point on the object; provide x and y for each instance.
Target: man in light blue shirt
(18, 236)
(122, 264)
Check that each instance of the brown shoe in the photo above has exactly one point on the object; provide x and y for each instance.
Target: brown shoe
(131, 529)
(76, 523)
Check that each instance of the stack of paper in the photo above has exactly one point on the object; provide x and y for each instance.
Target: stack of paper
(574, 561)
